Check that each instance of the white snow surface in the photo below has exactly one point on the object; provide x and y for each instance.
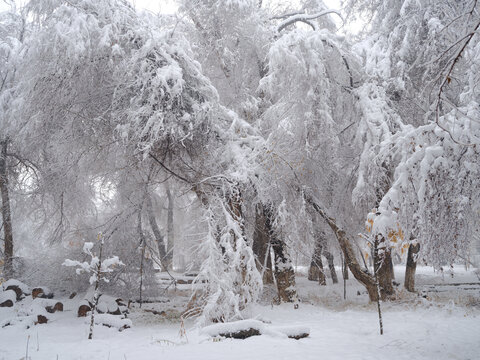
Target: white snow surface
(8, 295)
(353, 334)
(106, 304)
(115, 321)
(339, 329)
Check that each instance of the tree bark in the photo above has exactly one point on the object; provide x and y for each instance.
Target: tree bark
(411, 267)
(142, 244)
(345, 269)
(261, 245)
(96, 293)
(284, 272)
(377, 285)
(315, 272)
(170, 230)
(156, 230)
(345, 243)
(384, 270)
(331, 266)
(6, 212)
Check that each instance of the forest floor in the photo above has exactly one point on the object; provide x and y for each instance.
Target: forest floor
(443, 322)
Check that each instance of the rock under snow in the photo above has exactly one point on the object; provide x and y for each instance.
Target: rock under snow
(20, 288)
(245, 328)
(49, 305)
(7, 298)
(109, 305)
(12, 282)
(42, 292)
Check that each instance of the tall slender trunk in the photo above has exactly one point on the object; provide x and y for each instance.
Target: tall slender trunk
(170, 229)
(345, 269)
(331, 266)
(6, 212)
(315, 272)
(261, 245)
(411, 267)
(142, 244)
(377, 284)
(156, 231)
(96, 293)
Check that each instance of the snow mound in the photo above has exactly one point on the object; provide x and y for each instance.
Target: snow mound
(245, 328)
(233, 327)
(112, 321)
(107, 304)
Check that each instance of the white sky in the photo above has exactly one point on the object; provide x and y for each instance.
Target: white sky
(164, 6)
(169, 7)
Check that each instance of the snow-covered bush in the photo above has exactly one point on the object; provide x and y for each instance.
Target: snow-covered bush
(98, 268)
(233, 282)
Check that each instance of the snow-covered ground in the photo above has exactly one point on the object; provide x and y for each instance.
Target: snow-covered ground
(416, 327)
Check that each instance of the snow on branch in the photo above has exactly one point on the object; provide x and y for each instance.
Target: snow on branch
(95, 266)
(302, 17)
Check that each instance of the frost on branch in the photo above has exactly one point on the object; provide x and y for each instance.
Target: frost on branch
(93, 267)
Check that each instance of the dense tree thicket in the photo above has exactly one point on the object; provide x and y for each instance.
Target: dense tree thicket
(236, 134)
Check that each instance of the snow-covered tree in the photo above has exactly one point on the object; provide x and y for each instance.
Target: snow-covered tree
(98, 267)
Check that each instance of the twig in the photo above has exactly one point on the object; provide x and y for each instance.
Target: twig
(447, 80)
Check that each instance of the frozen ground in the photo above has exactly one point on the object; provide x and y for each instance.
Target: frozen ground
(416, 327)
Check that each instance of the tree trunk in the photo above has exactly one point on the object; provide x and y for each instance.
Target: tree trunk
(284, 272)
(6, 212)
(261, 245)
(384, 270)
(170, 230)
(156, 231)
(345, 269)
(142, 244)
(331, 266)
(96, 293)
(315, 272)
(411, 267)
(345, 243)
(377, 285)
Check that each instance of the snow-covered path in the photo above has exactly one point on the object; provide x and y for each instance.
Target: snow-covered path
(418, 333)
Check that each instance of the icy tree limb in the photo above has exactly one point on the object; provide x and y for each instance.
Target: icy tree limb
(302, 17)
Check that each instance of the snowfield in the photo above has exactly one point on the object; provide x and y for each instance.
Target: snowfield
(435, 333)
(415, 328)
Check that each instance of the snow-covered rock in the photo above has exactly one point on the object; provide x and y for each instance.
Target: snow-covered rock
(7, 298)
(15, 283)
(42, 292)
(108, 304)
(246, 328)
